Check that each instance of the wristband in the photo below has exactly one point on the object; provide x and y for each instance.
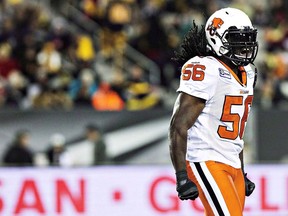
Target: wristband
(180, 175)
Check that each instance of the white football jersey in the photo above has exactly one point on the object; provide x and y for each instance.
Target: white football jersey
(217, 133)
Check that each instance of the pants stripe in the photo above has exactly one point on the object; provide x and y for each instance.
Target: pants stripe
(210, 189)
(203, 188)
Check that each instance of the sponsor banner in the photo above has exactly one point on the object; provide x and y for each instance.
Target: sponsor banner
(124, 191)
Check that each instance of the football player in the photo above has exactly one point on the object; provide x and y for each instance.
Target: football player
(211, 112)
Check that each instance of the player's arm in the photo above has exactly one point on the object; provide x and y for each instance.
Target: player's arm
(249, 185)
(184, 117)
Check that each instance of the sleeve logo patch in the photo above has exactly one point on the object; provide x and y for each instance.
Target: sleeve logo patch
(250, 74)
(224, 73)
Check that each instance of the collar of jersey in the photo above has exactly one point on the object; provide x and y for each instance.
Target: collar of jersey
(244, 75)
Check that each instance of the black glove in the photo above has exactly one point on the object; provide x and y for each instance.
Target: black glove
(185, 187)
(249, 186)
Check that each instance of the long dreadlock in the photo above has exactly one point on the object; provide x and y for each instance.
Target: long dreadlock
(193, 44)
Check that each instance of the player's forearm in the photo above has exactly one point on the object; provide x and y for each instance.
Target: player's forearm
(178, 145)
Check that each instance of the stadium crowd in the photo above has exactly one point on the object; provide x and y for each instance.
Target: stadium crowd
(46, 64)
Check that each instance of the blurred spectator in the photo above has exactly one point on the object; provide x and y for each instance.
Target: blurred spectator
(90, 8)
(91, 151)
(7, 62)
(85, 49)
(19, 153)
(49, 58)
(83, 87)
(52, 98)
(141, 94)
(16, 88)
(106, 99)
(56, 153)
(119, 83)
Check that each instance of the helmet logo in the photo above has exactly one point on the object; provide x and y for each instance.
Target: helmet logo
(216, 24)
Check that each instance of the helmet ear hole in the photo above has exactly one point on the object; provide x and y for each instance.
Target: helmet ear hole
(213, 40)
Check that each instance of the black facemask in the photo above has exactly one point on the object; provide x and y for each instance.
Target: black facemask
(241, 45)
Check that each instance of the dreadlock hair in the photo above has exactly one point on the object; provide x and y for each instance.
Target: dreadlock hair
(193, 44)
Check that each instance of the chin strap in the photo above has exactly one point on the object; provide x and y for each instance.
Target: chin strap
(243, 74)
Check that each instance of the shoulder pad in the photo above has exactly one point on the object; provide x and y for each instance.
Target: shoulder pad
(204, 60)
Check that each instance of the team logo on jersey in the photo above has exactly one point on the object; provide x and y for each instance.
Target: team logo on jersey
(216, 24)
(224, 73)
(250, 74)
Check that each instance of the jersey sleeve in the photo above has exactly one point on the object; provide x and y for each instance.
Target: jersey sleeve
(198, 78)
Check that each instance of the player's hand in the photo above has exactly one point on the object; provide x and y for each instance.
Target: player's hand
(249, 186)
(185, 187)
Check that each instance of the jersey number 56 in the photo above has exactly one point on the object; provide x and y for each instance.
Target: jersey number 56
(194, 72)
(238, 122)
